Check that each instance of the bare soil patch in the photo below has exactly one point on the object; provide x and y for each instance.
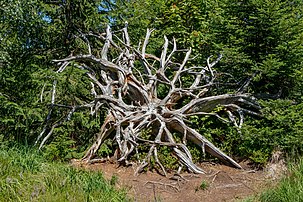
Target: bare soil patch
(221, 183)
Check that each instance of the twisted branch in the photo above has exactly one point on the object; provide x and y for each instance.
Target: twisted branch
(133, 103)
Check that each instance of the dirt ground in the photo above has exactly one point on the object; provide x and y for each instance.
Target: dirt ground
(221, 183)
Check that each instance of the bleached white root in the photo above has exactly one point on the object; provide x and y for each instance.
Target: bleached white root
(128, 87)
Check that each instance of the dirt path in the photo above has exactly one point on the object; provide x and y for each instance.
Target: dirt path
(221, 183)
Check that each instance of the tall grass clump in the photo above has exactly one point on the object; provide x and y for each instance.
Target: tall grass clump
(289, 189)
(26, 176)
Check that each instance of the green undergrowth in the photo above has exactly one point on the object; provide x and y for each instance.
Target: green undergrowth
(289, 189)
(25, 175)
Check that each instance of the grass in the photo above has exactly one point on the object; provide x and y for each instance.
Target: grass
(203, 186)
(289, 189)
(27, 176)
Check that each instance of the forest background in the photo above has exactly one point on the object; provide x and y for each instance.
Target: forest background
(261, 40)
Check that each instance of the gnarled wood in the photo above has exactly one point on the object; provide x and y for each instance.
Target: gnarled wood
(129, 90)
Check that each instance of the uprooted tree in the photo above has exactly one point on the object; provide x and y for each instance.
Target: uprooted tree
(126, 80)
